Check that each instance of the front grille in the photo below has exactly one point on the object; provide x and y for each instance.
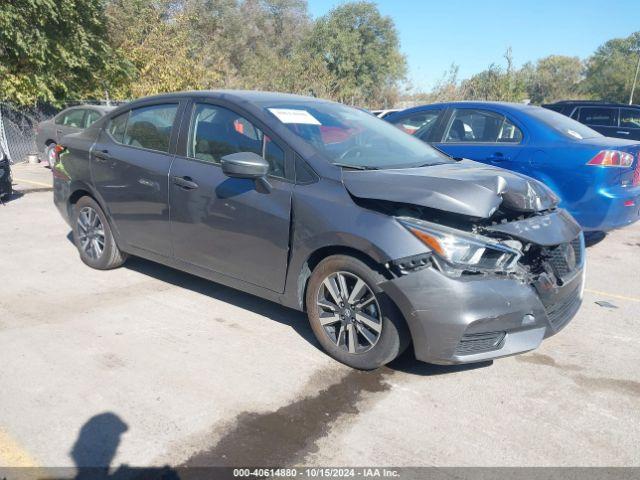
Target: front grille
(479, 342)
(566, 258)
(561, 312)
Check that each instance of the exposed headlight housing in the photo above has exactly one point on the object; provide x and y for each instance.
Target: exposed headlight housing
(457, 252)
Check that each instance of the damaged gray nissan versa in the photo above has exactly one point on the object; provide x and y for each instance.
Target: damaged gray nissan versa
(381, 239)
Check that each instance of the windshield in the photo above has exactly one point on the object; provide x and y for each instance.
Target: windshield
(349, 137)
(563, 124)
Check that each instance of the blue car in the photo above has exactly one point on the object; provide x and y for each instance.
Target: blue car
(597, 178)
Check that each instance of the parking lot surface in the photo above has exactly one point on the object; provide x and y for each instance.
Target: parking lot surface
(148, 366)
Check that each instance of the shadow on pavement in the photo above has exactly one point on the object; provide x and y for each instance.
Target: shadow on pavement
(292, 318)
(594, 238)
(96, 447)
(11, 197)
(407, 363)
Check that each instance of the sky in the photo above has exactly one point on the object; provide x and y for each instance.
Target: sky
(475, 33)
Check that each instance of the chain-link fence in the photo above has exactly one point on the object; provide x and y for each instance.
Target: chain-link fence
(17, 133)
(19, 125)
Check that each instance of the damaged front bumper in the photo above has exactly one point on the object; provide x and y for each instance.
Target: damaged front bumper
(477, 318)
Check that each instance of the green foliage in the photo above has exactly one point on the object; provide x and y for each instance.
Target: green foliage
(611, 69)
(55, 51)
(154, 37)
(496, 83)
(553, 78)
(360, 49)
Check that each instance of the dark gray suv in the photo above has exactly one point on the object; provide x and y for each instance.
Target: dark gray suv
(381, 239)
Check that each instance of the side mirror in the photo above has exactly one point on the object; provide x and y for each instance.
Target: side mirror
(247, 165)
(244, 165)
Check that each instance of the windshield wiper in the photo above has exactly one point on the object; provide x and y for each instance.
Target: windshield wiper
(356, 167)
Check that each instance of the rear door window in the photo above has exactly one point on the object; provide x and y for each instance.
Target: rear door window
(481, 126)
(150, 127)
(73, 118)
(91, 117)
(629, 118)
(599, 116)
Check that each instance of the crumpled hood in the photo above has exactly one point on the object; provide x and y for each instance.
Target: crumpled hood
(465, 187)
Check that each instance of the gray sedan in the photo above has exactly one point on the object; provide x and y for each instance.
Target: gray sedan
(380, 238)
(70, 120)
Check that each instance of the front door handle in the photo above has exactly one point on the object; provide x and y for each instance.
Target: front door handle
(622, 132)
(186, 183)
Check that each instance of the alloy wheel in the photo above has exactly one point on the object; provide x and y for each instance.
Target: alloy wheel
(349, 312)
(91, 233)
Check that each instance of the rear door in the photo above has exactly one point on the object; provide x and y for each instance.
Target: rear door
(601, 119)
(130, 167)
(629, 125)
(224, 224)
(484, 136)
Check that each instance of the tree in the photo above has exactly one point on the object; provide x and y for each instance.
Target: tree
(155, 38)
(553, 78)
(611, 69)
(360, 49)
(55, 51)
(496, 83)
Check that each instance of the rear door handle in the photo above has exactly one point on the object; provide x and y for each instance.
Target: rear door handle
(622, 132)
(497, 157)
(186, 183)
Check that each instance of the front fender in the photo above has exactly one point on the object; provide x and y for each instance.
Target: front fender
(325, 215)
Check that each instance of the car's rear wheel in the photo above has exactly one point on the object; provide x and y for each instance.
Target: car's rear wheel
(93, 238)
(350, 315)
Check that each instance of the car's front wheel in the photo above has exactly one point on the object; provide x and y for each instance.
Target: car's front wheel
(93, 237)
(351, 317)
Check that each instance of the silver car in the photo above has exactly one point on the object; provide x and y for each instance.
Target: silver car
(70, 120)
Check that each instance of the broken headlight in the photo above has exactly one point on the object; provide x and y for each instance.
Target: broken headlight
(457, 251)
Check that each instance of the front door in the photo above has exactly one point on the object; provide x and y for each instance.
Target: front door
(224, 224)
(484, 136)
(130, 164)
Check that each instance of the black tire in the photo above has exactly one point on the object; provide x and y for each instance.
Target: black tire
(392, 339)
(110, 256)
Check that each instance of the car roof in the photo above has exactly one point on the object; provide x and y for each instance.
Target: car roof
(101, 108)
(251, 96)
(594, 103)
(509, 106)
